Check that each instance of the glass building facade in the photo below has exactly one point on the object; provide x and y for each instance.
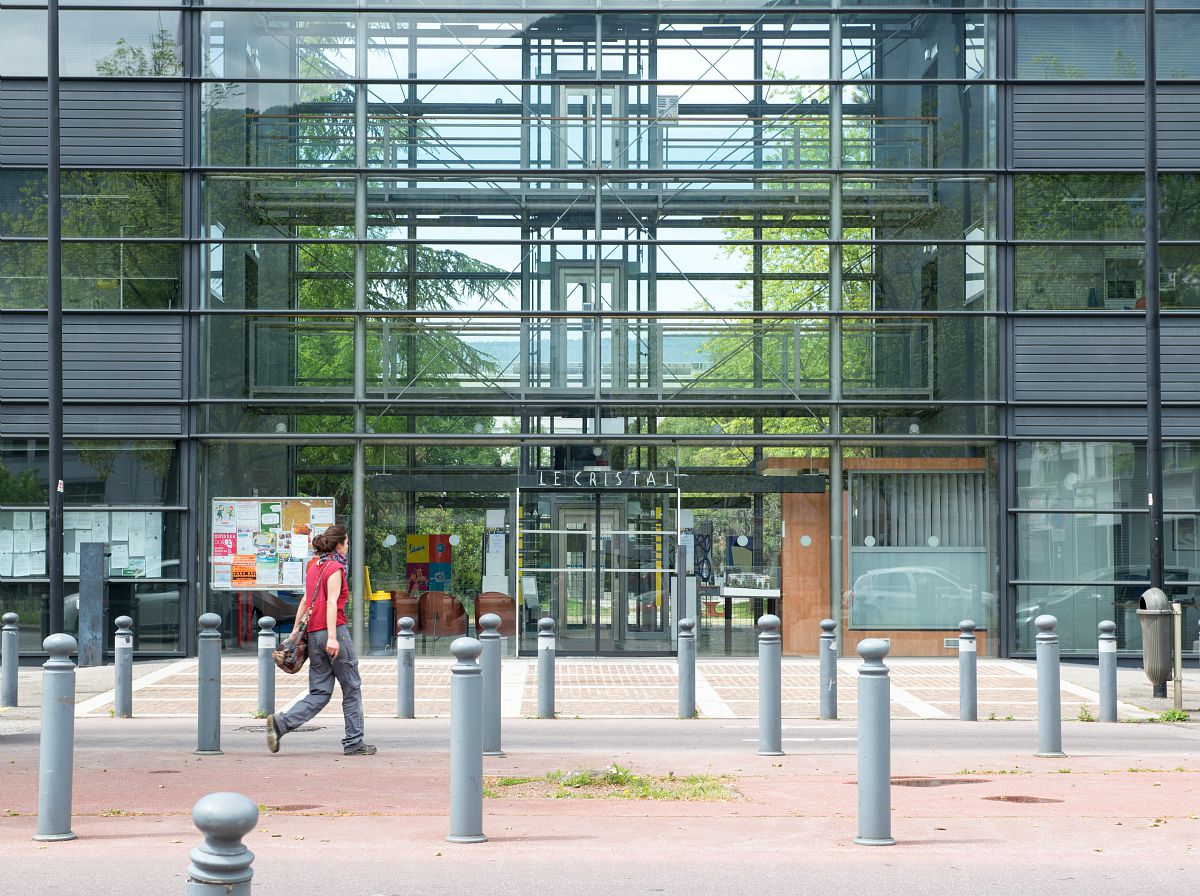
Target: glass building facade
(633, 310)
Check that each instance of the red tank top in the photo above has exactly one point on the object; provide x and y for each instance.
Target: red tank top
(315, 584)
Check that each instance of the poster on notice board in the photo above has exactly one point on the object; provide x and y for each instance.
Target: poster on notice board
(264, 544)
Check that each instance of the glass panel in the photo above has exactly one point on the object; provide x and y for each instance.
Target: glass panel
(260, 357)
(947, 359)
(109, 43)
(1176, 39)
(306, 276)
(1179, 206)
(282, 206)
(1052, 278)
(112, 204)
(1079, 610)
(913, 422)
(1080, 206)
(919, 208)
(912, 277)
(918, 125)
(905, 46)
(917, 589)
(23, 44)
(94, 471)
(155, 608)
(1080, 475)
(1069, 46)
(1181, 476)
(142, 544)
(1088, 547)
(260, 125)
(314, 46)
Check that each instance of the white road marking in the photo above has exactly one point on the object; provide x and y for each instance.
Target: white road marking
(709, 702)
(94, 703)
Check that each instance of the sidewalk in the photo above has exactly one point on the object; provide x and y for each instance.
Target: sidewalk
(1117, 815)
(623, 688)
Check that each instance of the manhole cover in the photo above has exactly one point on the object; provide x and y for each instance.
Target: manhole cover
(163, 771)
(262, 729)
(1008, 798)
(298, 807)
(905, 781)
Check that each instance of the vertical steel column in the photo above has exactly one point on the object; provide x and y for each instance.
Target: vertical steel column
(968, 690)
(54, 321)
(829, 657)
(874, 746)
(836, 524)
(123, 668)
(1049, 697)
(1107, 651)
(1154, 480)
(56, 763)
(466, 744)
(358, 498)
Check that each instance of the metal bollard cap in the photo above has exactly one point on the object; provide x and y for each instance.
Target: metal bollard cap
(60, 647)
(769, 623)
(873, 650)
(266, 625)
(687, 627)
(545, 626)
(967, 626)
(489, 622)
(828, 626)
(10, 619)
(124, 624)
(209, 622)
(466, 650)
(406, 625)
(224, 819)
(1108, 629)
(1046, 624)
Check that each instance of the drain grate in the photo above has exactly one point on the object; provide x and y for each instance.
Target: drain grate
(913, 781)
(1009, 798)
(297, 807)
(163, 771)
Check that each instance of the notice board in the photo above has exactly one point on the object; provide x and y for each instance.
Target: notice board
(263, 544)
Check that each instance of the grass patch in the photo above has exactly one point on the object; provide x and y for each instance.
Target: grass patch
(1172, 715)
(613, 783)
(1085, 715)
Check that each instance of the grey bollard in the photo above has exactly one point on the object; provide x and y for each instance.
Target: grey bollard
(687, 668)
(489, 639)
(123, 671)
(874, 745)
(221, 865)
(466, 743)
(406, 670)
(968, 681)
(1107, 649)
(1049, 697)
(208, 709)
(546, 668)
(828, 654)
(56, 766)
(10, 654)
(268, 640)
(770, 687)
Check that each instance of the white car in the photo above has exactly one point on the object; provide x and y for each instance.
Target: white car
(915, 597)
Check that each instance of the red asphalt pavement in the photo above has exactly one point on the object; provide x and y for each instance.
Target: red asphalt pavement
(1122, 816)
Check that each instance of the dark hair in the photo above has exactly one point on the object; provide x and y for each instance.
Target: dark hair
(327, 542)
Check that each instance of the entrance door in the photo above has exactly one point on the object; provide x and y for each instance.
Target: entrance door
(601, 565)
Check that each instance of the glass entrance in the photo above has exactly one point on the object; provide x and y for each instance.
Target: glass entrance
(601, 564)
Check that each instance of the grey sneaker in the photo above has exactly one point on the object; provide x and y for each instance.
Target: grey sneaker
(273, 735)
(362, 750)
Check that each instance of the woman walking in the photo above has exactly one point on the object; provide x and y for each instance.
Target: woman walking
(330, 651)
